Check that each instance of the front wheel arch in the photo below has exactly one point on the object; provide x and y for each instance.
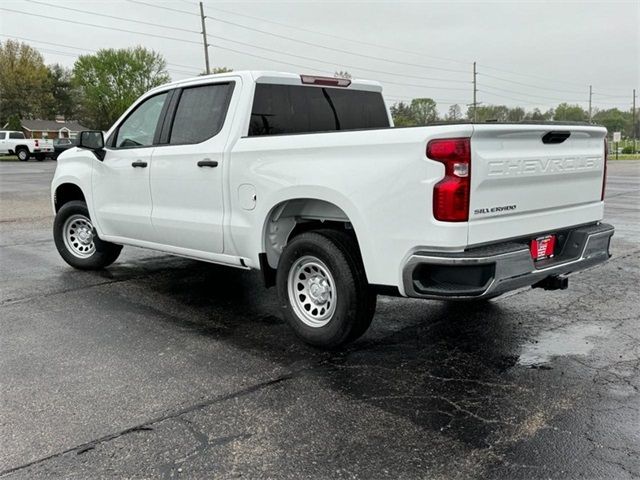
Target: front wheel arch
(66, 193)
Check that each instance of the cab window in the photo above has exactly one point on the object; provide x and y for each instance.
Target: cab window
(200, 113)
(139, 128)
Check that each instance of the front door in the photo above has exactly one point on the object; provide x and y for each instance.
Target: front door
(120, 183)
(186, 175)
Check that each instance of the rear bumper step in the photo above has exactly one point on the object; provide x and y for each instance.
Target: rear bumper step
(490, 271)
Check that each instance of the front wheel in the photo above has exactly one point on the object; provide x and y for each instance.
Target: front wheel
(76, 239)
(323, 288)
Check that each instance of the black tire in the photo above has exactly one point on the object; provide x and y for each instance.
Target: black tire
(101, 255)
(23, 154)
(40, 157)
(355, 300)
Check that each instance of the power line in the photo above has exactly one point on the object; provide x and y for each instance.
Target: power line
(510, 98)
(604, 95)
(361, 42)
(527, 84)
(501, 95)
(69, 54)
(14, 37)
(275, 60)
(142, 22)
(395, 99)
(304, 42)
(307, 30)
(164, 8)
(163, 37)
(279, 52)
(339, 50)
(530, 75)
(500, 89)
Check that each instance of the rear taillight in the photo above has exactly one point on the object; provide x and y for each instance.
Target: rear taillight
(604, 174)
(451, 194)
(37, 143)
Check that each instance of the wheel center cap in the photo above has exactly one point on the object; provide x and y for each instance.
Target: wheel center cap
(85, 236)
(318, 290)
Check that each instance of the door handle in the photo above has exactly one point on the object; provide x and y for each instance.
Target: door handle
(139, 163)
(208, 163)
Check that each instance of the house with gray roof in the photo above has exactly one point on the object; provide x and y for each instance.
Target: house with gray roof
(58, 128)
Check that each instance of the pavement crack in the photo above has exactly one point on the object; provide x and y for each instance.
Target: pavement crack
(148, 425)
(13, 301)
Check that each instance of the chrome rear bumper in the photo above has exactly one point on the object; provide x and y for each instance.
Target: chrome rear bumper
(495, 269)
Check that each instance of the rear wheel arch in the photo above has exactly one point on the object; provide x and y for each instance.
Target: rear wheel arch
(67, 192)
(292, 217)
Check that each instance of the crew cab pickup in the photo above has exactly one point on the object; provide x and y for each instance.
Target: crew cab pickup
(15, 143)
(305, 179)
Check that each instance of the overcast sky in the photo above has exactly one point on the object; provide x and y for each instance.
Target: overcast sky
(534, 53)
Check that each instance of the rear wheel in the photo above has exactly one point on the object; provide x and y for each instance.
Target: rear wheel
(23, 154)
(323, 288)
(76, 239)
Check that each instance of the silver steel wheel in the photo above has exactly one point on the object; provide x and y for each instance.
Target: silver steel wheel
(77, 232)
(312, 291)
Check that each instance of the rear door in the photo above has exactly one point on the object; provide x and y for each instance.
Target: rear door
(529, 179)
(187, 172)
(3, 142)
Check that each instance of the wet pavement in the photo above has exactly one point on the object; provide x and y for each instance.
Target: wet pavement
(161, 367)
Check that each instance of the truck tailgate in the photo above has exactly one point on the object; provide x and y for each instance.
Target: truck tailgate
(529, 179)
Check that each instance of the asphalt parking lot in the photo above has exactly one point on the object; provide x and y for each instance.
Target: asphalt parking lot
(161, 367)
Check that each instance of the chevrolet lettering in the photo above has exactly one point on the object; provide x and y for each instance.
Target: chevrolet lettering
(542, 165)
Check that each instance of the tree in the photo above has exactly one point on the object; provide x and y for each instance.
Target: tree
(489, 113)
(570, 113)
(402, 115)
(14, 123)
(63, 95)
(455, 113)
(535, 115)
(615, 120)
(218, 70)
(515, 114)
(424, 110)
(23, 81)
(110, 80)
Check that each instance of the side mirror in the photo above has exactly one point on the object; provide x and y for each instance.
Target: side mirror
(93, 140)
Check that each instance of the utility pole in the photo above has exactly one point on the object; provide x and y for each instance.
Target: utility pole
(475, 92)
(204, 39)
(590, 95)
(633, 114)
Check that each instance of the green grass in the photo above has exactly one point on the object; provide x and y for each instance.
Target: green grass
(625, 156)
(8, 158)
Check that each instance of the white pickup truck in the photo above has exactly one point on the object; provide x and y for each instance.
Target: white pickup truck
(15, 143)
(305, 179)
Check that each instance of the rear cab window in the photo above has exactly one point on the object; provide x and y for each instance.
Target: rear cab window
(16, 135)
(200, 113)
(286, 109)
